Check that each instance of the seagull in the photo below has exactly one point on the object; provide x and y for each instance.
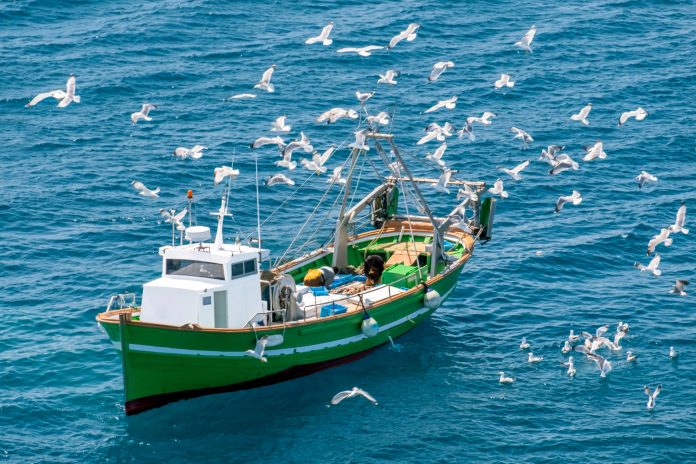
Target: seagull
(336, 178)
(409, 34)
(652, 396)
(617, 338)
(566, 348)
(522, 135)
(595, 151)
(534, 359)
(497, 189)
(526, 41)
(334, 114)
(571, 366)
(323, 37)
(194, 153)
(602, 363)
(467, 130)
(449, 104)
(630, 357)
(549, 154)
(172, 216)
(582, 115)
(678, 225)
(644, 177)
(265, 82)
(57, 94)
(622, 326)
(673, 353)
(381, 118)
(679, 287)
(287, 162)
(504, 81)
(340, 396)
(362, 51)
(467, 192)
(639, 113)
(224, 171)
(562, 162)
(261, 141)
(572, 337)
(662, 237)
(575, 198)
(485, 118)
(297, 145)
(438, 69)
(524, 345)
(388, 77)
(316, 165)
(436, 132)
(279, 179)
(143, 113)
(515, 172)
(69, 93)
(436, 157)
(594, 342)
(279, 125)
(242, 96)
(442, 181)
(503, 379)
(363, 96)
(144, 191)
(360, 142)
(651, 267)
(259, 349)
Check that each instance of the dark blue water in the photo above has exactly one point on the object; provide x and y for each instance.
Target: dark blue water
(74, 232)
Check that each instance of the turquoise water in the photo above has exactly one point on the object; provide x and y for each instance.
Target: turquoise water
(74, 232)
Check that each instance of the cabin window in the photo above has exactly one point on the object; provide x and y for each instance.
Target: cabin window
(186, 267)
(243, 268)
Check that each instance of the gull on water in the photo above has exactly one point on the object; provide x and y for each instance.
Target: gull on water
(441, 185)
(322, 38)
(651, 267)
(242, 96)
(224, 171)
(336, 178)
(497, 189)
(652, 396)
(340, 396)
(582, 115)
(526, 41)
(279, 179)
(388, 77)
(572, 337)
(673, 353)
(504, 81)
(265, 82)
(630, 357)
(602, 363)
(617, 338)
(436, 157)
(261, 141)
(678, 225)
(534, 359)
(362, 51)
(662, 237)
(144, 191)
(622, 326)
(279, 125)
(639, 113)
(194, 153)
(566, 348)
(363, 96)
(381, 118)
(574, 198)
(503, 379)
(571, 366)
(595, 151)
(679, 285)
(449, 104)
(334, 114)
(409, 34)
(438, 69)
(515, 172)
(467, 192)
(522, 135)
(524, 345)
(644, 177)
(143, 113)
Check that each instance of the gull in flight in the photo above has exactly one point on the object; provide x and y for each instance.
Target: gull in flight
(594, 342)
(323, 37)
(678, 225)
(662, 237)
(630, 357)
(409, 34)
(334, 114)
(602, 363)
(449, 104)
(549, 154)
(497, 189)
(595, 151)
(261, 344)
(57, 94)
(504, 81)
(336, 178)
(436, 157)
(340, 396)
(317, 163)
(65, 96)
(279, 179)
(571, 366)
(381, 118)
(534, 359)
(673, 353)
(388, 77)
(144, 191)
(363, 96)
(485, 118)
(562, 162)
(524, 345)
(302, 144)
(442, 181)
(193, 153)
(503, 379)
(467, 130)
(143, 113)
(261, 141)
(574, 198)
(174, 217)
(467, 192)
(362, 51)
(644, 177)
(242, 96)
(582, 115)
(679, 287)
(622, 326)
(287, 162)
(566, 348)
(652, 396)
(651, 267)
(617, 339)
(265, 82)
(438, 69)
(279, 125)
(572, 337)
(360, 142)
(515, 172)
(526, 41)
(639, 113)
(522, 135)
(224, 171)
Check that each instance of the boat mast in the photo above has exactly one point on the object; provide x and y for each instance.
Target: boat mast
(221, 217)
(340, 249)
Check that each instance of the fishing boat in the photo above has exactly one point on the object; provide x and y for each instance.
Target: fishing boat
(219, 319)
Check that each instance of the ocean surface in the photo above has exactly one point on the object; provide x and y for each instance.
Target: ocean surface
(75, 232)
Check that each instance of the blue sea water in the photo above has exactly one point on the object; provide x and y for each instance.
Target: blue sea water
(74, 232)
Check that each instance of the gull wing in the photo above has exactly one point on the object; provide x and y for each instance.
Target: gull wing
(340, 396)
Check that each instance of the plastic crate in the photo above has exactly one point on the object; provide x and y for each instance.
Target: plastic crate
(332, 309)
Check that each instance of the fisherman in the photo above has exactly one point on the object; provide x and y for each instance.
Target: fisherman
(374, 266)
(322, 277)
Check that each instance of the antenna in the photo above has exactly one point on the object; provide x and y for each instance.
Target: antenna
(258, 209)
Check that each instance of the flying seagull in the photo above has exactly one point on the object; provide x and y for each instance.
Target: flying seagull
(194, 153)
(651, 267)
(679, 287)
(574, 198)
(336, 178)
(595, 151)
(409, 34)
(644, 177)
(467, 192)
(522, 135)
(279, 179)
(571, 366)
(322, 38)
(65, 97)
(360, 142)
(363, 96)
(639, 113)
(438, 69)
(652, 396)
(504, 81)
(497, 189)
(526, 41)
(436, 156)
(678, 225)
(173, 216)
(261, 141)
(388, 77)
(582, 115)
(602, 363)
(442, 181)
(224, 171)
(279, 125)
(662, 237)
(515, 172)
(265, 82)
(144, 191)
(449, 104)
(562, 162)
(362, 51)
(334, 114)
(381, 118)
(261, 344)
(340, 396)
(143, 113)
